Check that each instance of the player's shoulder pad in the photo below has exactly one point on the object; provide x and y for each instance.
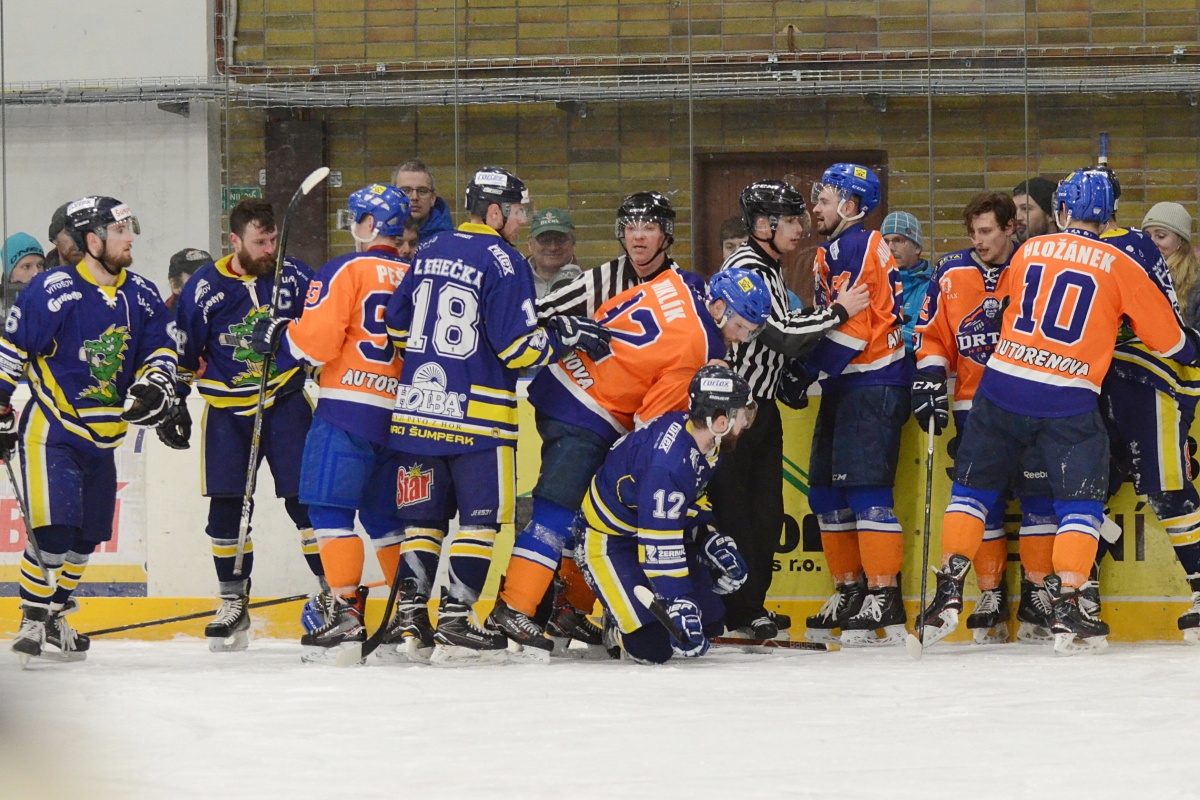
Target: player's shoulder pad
(59, 288)
(505, 257)
(949, 261)
(298, 266)
(852, 244)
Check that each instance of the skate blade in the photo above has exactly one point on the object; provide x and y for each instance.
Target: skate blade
(231, 644)
(913, 645)
(996, 635)
(1068, 644)
(314, 654)
(409, 651)
(1029, 633)
(1191, 636)
(589, 652)
(449, 655)
(821, 636)
(935, 633)
(71, 657)
(520, 654)
(892, 634)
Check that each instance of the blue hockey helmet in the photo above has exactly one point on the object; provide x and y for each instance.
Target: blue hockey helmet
(716, 390)
(745, 293)
(850, 180)
(1087, 194)
(386, 204)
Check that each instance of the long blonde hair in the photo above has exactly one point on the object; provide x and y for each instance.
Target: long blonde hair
(1185, 272)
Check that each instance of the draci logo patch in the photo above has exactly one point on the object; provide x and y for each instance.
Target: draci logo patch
(413, 486)
(746, 284)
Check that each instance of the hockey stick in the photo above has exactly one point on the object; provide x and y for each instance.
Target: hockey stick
(349, 656)
(30, 535)
(315, 177)
(202, 614)
(646, 598)
(777, 644)
(914, 643)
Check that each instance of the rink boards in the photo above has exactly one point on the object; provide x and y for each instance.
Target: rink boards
(159, 564)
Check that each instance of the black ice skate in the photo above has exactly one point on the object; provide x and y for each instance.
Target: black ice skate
(989, 620)
(1074, 631)
(941, 615)
(844, 603)
(612, 637)
(1189, 623)
(62, 641)
(1035, 614)
(532, 644)
(568, 624)
(769, 626)
(461, 640)
(31, 638)
(410, 634)
(227, 633)
(882, 609)
(1089, 594)
(343, 628)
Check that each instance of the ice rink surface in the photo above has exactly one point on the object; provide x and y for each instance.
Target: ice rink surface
(170, 721)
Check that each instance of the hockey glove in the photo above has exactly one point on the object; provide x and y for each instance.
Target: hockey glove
(149, 399)
(8, 433)
(267, 333)
(723, 553)
(175, 430)
(686, 616)
(929, 400)
(794, 381)
(579, 333)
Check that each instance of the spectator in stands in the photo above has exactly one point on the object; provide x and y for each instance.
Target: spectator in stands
(64, 250)
(1170, 226)
(409, 239)
(552, 250)
(415, 180)
(1034, 199)
(23, 259)
(181, 267)
(902, 232)
(733, 235)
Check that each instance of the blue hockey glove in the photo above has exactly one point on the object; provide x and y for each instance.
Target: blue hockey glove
(175, 431)
(723, 553)
(149, 399)
(8, 433)
(267, 333)
(929, 400)
(686, 615)
(794, 381)
(579, 333)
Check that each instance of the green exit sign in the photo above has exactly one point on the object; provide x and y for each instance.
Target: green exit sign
(232, 195)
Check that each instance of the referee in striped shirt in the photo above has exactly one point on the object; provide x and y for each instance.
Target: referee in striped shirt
(747, 489)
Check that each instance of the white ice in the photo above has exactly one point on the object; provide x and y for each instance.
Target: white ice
(171, 721)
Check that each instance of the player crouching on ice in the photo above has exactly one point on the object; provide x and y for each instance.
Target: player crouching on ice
(96, 344)
(637, 509)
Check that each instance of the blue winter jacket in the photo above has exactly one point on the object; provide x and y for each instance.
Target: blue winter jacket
(913, 282)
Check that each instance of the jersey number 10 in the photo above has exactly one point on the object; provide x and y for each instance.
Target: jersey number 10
(1077, 288)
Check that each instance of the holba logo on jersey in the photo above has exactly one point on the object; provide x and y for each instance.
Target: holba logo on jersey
(428, 394)
(413, 486)
(979, 331)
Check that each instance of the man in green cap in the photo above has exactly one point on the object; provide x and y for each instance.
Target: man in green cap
(552, 250)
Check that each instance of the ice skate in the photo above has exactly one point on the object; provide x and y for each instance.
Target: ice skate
(31, 638)
(63, 643)
(409, 637)
(1074, 631)
(461, 641)
(227, 633)
(528, 642)
(568, 625)
(1189, 622)
(882, 609)
(1035, 614)
(340, 625)
(612, 637)
(1089, 595)
(941, 615)
(844, 603)
(989, 621)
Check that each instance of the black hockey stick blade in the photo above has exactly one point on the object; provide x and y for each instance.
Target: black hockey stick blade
(646, 598)
(777, 644)
(352, 655)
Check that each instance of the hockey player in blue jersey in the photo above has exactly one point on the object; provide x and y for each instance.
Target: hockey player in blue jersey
(636, 514)
(465, 319)
(216, 316)
(95, 342)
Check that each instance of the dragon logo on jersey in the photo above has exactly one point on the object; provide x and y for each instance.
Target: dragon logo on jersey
(104, 357)
(239, 334)
(979, 331)
(413, 486)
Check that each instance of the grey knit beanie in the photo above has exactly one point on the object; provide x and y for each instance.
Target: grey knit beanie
(1171, 216)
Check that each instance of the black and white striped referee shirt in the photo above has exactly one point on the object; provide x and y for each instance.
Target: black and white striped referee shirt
(582, 296)
(787, 333)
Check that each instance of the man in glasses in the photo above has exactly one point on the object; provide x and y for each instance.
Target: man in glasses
(415, 181)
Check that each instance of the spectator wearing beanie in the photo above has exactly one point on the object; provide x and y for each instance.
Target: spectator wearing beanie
(902, 232)
(1170, 226)
(23, 259)
(183, 264)
(1035, 203)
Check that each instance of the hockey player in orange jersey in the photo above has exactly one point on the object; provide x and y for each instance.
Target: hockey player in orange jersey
(1038, 398)
(346, 467)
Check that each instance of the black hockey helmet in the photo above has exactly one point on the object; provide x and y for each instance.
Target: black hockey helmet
(646, 207)
(494, 185)
(718, 391)
(95, 214)
(773, 200)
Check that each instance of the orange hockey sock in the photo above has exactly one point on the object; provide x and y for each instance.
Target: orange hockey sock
(991, 559)
(579, 594)
(962, 533)
(525, 584)
(1074, 555)
(1037, 557)
(388, 557)
(882, 554)
(841, 553)
(342, 558)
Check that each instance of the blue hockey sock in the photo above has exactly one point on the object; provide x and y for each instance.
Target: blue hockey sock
(470, 559)
(224, 517)
(421, 551)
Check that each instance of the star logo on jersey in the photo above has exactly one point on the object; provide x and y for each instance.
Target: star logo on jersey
(979, 331)
(104, 356)
(239, 339)
(413, 486)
